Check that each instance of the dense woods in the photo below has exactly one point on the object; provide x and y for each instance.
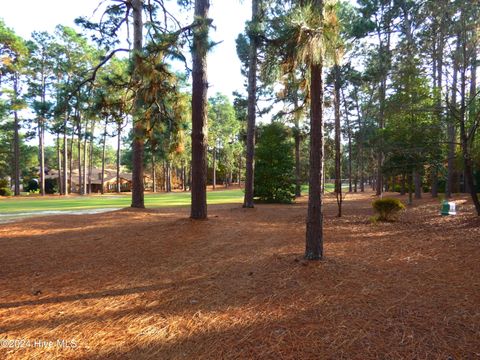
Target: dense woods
(381, 94)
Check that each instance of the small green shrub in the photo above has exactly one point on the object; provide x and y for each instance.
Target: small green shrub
(4, 183)
(32, 186)
(4, 191)
(387, 208)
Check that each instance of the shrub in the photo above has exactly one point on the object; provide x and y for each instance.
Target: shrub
(5, 191)
(31, 186)
(387, 208)
(4, 183)
(51, 186)
(274, 165)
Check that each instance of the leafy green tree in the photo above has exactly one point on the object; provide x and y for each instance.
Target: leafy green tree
(223, 132)
(274, 169)
(12, 69)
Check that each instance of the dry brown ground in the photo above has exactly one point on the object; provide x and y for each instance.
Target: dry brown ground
(155, 285)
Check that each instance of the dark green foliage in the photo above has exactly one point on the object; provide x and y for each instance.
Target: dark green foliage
(274, 166)
(4, 191)
(51, 186)
(387, 208)
(32, 186)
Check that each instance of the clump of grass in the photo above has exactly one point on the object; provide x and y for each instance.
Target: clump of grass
(387, 208)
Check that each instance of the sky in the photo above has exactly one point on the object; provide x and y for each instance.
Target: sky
(228, 16)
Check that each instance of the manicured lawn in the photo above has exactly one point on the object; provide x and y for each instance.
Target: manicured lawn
(32, 204)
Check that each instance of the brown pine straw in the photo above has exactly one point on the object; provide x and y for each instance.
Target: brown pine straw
(155, 285)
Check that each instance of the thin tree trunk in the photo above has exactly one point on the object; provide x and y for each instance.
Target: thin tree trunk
(119, 144)
(451, 125)
(59, 165)
(138, 126)
(338, 156)
(90, 158)
(418, 184)
(214, 183)
(314, 233)
(240, 171)
(410, 186)
(104, 144)
(298, 181)
(41, 155)
(79, 145)
(349, 134)
(16, 141)
(199, 111)
(184, 176)
(168, 176)
(251, 111)
(360, 159)
(65, 156)
(70, 164)
(85, 159)
(154, 172)
(403, 185)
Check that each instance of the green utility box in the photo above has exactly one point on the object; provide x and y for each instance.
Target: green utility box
(448, 208)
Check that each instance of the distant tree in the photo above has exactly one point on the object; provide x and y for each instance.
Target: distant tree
(13, 59)
(274, 169)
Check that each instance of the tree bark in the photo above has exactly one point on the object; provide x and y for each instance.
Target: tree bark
(119, 144)
(65, 156)
(138, 126)
(451, 131)
(154, 173)
(85, 159)
(59, 165)
(418, 184)
(102, 178)
(214, 183)
(338, 155)
(314, 233)
(70, 163)
(16, 141)
(349, 134)
(199, 111)
(251, 111)
(79, 146)
(410, 186)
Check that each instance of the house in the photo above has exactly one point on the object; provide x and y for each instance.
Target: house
(94, 180)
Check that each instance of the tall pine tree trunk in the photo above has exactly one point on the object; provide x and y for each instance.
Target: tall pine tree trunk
(251, 111)
(104, 145)
(138, 127)
(59, 165)
(119, 144)
(154, 172)
(338, 155)
(85, 159)
(214, 168)
(65, 156)
(451, 131)
(199, 111)
(16, 141)
(314, 234)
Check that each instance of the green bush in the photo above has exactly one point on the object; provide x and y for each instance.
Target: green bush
(274, 165)
(5, 191)
(31, 186)
(387, 208)
(51, 186)
(4, 183)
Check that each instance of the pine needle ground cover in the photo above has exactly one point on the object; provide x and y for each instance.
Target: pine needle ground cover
(152, 284)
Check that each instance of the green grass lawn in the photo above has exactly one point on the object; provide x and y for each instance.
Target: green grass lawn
(72, 203)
